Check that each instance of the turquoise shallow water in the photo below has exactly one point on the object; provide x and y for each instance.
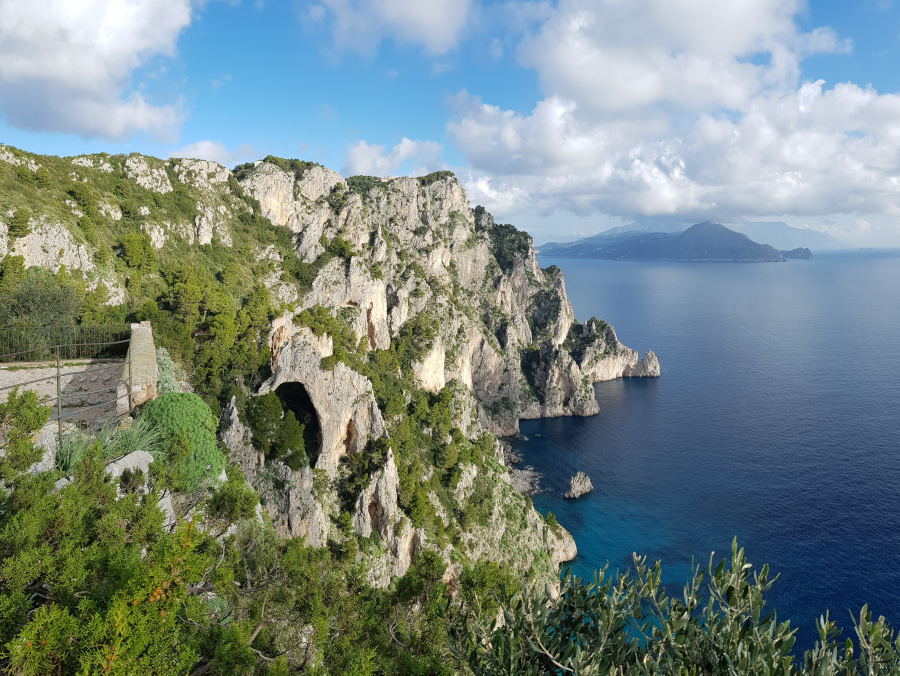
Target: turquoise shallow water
(776, 420)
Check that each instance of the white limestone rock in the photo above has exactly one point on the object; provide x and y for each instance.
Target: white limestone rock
(343, 399)
(154, 178)
(290, 497)
(111, 211)
(51, 246)
(579, 484)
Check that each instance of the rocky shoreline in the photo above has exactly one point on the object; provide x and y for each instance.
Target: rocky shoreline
(526, 480)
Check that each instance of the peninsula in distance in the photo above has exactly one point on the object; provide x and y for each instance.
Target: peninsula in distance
(703, 242)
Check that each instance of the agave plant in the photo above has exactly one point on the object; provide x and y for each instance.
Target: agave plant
(114, 442)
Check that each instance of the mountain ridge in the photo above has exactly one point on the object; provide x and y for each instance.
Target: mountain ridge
(702, 242)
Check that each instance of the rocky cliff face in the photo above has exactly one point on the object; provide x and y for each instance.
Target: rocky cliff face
(407, 269)
(420, 250)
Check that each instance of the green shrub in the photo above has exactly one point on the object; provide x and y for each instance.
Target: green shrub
(435, 177)
(168, 372)
(290, 446)
(188, 419)
(41, 299)
(264, 415)
(137, 251)
(21, 417)
(73, 448)
(19, 226)
(361, 185)
(234, 499)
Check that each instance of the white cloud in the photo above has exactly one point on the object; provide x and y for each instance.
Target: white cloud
(216, 84)
(419, 157)
(360, 25)
(611, 55)
(813, 151)
(682, 109)
(216, 151)
(65, 66)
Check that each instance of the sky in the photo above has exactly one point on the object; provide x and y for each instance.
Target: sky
(565, 118)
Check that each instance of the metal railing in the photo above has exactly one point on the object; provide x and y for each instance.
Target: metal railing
(39, 343)
(82, 349)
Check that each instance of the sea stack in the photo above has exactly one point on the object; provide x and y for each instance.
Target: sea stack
(579, 485)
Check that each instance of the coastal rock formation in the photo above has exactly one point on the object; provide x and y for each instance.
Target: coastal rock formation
(578, 485)
(289, 497)
(393, 302)
(343, 399)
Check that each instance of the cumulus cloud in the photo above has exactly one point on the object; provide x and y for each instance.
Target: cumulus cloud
(813, 151)
(65, 66)
(615, 56)
(360, 25)
(686, 109)
(419, 157)
(215, 151)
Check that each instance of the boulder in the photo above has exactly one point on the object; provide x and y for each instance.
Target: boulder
(578, 485)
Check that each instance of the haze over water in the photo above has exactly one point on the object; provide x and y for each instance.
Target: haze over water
(776, 419)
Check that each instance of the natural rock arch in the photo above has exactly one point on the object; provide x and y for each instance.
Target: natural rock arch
(294, 397)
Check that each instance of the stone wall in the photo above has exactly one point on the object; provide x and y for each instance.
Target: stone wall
(142, 352)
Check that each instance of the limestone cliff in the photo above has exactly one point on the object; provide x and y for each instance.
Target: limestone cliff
(404, 328)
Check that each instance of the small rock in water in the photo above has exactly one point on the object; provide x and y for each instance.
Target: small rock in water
(579, 485)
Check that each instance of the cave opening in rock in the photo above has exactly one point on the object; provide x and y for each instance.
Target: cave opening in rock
(294, 397)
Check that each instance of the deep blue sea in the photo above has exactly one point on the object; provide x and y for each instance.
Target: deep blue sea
(776, 420)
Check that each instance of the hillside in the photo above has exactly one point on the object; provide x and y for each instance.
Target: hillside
(318, 486)
(701, 242)
(361, 341)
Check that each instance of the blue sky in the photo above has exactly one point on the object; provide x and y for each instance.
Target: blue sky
(563, 117)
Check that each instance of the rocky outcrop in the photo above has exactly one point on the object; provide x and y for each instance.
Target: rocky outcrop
(343, 399)
(155, 178)
(377, 511)
(602, 357)
(647, 367)
(289, 497)
(51, 246)
(579, 484)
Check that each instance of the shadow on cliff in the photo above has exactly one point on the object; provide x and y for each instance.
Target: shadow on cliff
(294, 397)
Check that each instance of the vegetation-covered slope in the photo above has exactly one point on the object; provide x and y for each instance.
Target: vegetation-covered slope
(360, 343)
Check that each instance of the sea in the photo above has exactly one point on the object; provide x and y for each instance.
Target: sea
(776, 421)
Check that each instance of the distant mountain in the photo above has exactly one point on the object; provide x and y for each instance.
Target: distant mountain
(801, 253)
(783, 236)
(701, 242)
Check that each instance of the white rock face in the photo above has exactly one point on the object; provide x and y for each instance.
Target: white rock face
(290, 497)
(144, 211)
(210, 222)
(430, 371)
(83, 162)
(342, 285)
(343, 399)
(157, 234)
(51, 246)
(377, 510)
(201, 173)
(6, 155)
(579, 484)
(138, 460)
(606, 358)
(4, 240)
(110, 211)
(152, 178)
(647, 367)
